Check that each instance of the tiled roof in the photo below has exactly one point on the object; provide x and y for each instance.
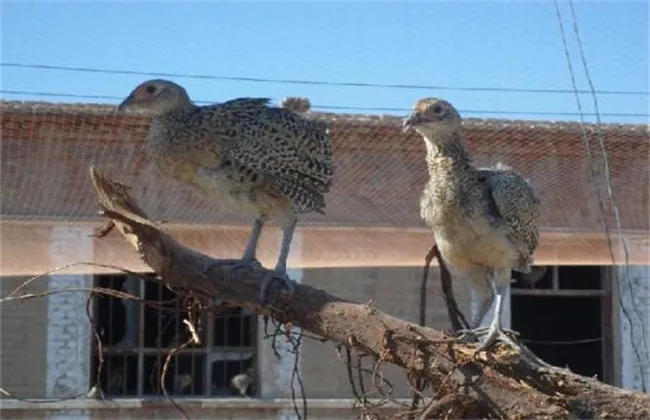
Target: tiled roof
(47, 148)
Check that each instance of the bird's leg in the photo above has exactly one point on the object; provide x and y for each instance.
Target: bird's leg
(482, 311)
(280, 270)
(249, 258)
(484, 288)
(250, 252)
(495, 331)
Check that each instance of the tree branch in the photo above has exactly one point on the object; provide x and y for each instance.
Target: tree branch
(500, 386)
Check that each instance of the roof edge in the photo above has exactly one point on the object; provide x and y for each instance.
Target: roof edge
(363, 119)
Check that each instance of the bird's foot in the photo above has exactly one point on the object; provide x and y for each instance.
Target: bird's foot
(493, 334)
(490, 336)
(471, 334)
(275, 274)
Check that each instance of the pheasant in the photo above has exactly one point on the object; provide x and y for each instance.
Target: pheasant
(485, 220)
(257, 159)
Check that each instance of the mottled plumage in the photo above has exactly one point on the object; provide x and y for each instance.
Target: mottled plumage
(485, 220)
(254, 158)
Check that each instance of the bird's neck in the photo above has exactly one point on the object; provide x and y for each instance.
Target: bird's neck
(165, 125)
(446, 155)
(183, 106)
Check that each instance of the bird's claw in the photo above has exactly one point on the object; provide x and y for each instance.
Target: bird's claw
(493, 335)
(473, 334)
(270, 275)
(490, 336)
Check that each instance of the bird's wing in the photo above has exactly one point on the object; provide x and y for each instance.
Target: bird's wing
(293, 151)
(275, 140)
(243, 103)
(516, 204)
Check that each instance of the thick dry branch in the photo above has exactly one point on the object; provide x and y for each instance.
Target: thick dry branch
(500, 385)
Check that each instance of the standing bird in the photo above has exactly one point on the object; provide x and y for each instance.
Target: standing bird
(243, 380)
(485, 221)
(257, 159)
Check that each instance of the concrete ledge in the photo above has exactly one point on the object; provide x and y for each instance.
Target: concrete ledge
(190, 403)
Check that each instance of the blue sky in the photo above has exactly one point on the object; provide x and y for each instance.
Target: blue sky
(460, 44)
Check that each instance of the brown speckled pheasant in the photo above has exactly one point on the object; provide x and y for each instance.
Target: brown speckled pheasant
(485, 221)
(265, 161)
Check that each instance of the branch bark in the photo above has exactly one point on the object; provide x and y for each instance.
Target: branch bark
(501, 385)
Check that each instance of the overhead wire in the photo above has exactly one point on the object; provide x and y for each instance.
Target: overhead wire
(334, 107)
(592, 174)
(312, 82)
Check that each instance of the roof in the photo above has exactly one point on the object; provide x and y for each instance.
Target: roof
(47, 148)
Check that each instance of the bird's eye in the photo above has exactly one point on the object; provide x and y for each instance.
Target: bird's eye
(437, 109)
(150, 89)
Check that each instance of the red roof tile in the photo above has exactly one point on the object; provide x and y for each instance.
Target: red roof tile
(46, 150)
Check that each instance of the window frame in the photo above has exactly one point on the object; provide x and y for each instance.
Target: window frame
(210, 353)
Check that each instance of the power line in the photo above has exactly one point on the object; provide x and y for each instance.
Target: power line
(592, 174)
(336, 107)
(562, 343)
(311, 82)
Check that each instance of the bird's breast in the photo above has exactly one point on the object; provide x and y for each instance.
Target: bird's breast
(466, 237)
(239, 191)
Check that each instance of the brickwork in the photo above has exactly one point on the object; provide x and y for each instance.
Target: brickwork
(68, 339)
(392, 290)
(23, 338)
(68, 333)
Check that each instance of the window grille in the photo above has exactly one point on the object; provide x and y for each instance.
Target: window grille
(137, 337)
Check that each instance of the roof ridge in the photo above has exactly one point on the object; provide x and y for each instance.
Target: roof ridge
(374, 119)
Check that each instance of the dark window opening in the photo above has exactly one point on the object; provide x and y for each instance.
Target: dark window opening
(563, 329)
(136, 339)
(552, 327)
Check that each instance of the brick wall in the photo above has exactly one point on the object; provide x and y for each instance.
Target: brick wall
(38, 361)
(68, 333)
(392, 290)
(23, 340)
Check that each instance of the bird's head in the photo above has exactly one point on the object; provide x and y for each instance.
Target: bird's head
(430, 115)
(157, 96)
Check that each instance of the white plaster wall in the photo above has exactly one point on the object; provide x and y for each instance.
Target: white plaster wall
(276, 374)
(634, 289)
(68, 330)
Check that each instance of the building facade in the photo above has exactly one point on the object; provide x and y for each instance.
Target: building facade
(371, 245)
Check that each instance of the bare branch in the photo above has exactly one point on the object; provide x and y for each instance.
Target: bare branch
(498, 386)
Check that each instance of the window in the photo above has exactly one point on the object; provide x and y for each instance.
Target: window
(567, 319)
(137, 337)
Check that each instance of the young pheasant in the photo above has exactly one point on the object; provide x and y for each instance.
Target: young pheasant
(257, 159)
(485, 221)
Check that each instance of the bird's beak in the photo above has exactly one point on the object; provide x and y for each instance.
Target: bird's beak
(125, 103)
(408, 122)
